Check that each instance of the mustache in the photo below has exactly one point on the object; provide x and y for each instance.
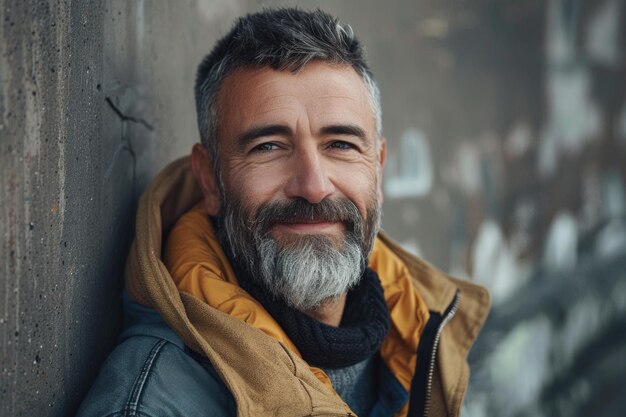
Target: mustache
(301, 211)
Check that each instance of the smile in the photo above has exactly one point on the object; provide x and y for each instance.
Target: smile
(309, 226)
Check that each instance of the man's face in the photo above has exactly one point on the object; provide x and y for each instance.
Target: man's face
(300, 170)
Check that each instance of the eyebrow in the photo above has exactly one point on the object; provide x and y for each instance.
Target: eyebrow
(282, 130)
(258, 132)
(348, 130)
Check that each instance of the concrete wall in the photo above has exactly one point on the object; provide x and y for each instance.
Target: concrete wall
(96, 97)
(507, 130)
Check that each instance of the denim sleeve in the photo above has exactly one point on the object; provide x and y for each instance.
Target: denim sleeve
(151, 377)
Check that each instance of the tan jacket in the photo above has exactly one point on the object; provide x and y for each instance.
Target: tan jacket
(266, 378)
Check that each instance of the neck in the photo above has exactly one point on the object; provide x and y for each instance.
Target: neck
(329, 312)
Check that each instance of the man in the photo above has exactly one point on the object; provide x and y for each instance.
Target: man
(276, 294)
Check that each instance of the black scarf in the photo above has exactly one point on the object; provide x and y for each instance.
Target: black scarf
(363, 326)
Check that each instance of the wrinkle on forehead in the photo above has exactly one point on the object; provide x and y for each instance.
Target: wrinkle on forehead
(247, 95)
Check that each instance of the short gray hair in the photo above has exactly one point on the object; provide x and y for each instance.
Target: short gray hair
(284, 39)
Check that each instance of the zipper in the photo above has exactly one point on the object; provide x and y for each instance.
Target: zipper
(452, 310)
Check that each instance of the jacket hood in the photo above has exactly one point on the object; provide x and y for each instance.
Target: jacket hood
(282, 384)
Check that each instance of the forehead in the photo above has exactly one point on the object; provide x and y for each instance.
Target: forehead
(324, 93)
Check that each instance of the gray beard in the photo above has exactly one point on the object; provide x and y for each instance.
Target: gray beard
(308, 270)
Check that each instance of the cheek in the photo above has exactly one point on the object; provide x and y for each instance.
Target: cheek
(359, 185)
(254, 186)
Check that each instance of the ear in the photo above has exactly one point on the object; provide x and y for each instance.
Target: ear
(202, 168)
(382, 155)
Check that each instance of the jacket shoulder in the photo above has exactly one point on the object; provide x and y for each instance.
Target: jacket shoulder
(150, 376)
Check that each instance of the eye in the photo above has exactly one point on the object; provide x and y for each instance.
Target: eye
(265, 147)
(342, 145)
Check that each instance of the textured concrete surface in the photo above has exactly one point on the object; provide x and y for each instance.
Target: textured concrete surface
(95, 97)
(506, 124)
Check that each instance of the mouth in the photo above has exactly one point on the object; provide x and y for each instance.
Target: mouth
(308, 226)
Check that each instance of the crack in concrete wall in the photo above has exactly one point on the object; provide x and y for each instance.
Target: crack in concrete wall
(126, 145)
(126, 118)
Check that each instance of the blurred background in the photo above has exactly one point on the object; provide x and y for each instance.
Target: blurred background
(506, 123)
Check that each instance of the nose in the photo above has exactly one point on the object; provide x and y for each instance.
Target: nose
(309, 178)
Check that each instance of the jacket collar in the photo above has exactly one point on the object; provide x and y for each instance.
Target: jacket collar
(438, 291)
